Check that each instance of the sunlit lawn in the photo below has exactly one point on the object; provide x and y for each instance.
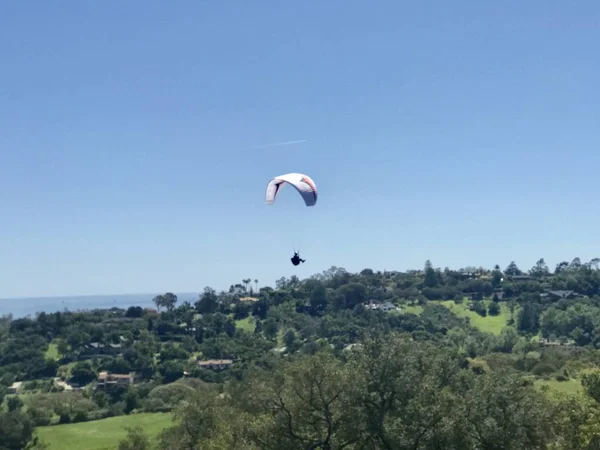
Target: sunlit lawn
(488, 324)
(101, 434)
(571, 386)
(248, 324)
(52, 352)
(411, 309)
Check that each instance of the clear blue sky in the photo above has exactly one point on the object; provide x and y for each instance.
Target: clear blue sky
(463, 132)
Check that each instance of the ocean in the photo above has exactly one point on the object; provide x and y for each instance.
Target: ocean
(23, 307)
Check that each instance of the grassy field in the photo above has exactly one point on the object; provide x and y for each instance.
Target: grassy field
(101, 434)
(248, 324)
(488, 324)
(571, 387)
(409, 309)
(65, 370)
(52, 352)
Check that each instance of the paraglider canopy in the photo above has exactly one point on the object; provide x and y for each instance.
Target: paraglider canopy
(303, 183)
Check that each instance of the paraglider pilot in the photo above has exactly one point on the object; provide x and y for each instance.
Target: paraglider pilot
(296, 259)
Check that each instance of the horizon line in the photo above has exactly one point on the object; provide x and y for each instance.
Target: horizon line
(93, 295)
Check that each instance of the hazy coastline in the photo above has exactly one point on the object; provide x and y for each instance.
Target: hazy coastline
(29, 306)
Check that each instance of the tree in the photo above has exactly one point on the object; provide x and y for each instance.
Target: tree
(496, 278)
(270, 328)
(561, 267)
(62, 346)
(246, 282)
(431, 279)
(500, 412)
(513, 269)
(205, 421)
(242, 310)
(289, 339)
(494, 309)
(134, 311)
(512, 305)
(304, 405)
(540, 269)
(132, 400)
(281, 283)
(479, 308)
(136, 440)
(171, 371)
(352, 294)
(14, 404)
(318, 299)
(82, 373)
(158, 302)
(403, 393)
(260, 308)
(166, 301)
(590, 381)
(16, 430)
(207, 304)
(529, 318)
(507, 340)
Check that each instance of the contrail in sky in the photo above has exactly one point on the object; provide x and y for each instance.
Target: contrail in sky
(276, 144)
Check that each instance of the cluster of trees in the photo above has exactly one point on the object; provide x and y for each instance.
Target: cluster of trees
(388, 393)
(316, 319)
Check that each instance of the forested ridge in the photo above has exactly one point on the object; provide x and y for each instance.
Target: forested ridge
(434, 358)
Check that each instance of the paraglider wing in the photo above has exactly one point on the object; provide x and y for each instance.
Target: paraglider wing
(303, 183)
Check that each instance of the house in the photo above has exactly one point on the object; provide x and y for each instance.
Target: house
(279, 350)
(66, 386)
(15, 387)
(519, 277)
(558, 295)
(350, 347)
(554, 342)
(101, 347)
(385, 307)
(371, 305)
(186, 326)
(248, 299)
(216, 364)
(97, 348)
(108, 379)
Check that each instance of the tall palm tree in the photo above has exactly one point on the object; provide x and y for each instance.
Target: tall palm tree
(246, 281)
(256, 284)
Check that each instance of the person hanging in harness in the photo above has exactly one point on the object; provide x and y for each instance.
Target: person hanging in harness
(296, 259)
